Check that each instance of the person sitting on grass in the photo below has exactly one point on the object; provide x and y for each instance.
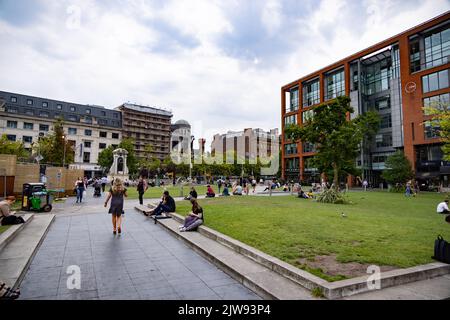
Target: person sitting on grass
(166, 205)
(194, 219)
(210, 192)
(238, 190)
(192, 194)
(225, 191)
(302, 194)
(442, 207)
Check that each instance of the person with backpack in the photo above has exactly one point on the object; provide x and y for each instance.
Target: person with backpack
(219, 184)
(141, 188)
(7, 216)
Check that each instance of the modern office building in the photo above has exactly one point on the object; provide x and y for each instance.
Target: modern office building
(89, 128)
(396, 78)
(147, 125)
(248, 142)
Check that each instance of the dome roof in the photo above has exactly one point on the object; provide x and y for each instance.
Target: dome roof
(182, 123)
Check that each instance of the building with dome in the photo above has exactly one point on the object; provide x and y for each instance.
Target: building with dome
(180, 139)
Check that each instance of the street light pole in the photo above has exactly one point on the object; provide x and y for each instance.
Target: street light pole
(64, 156)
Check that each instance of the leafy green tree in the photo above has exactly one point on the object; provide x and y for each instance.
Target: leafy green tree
(54, 147)
(12, 147)
(440, 117)
(398, 169)
(105, 157)
(337, 139)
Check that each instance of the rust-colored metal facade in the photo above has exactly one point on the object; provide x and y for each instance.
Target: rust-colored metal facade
(412, 94)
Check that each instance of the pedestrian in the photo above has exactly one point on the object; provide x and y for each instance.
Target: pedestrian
(365, 184)
(104, 182)
(141, 188)
(253, 185)
(408, 191)
(80, 187)
(116, 194)
(219, 184)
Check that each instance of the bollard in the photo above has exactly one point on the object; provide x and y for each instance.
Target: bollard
(181, 191)
(270, 191)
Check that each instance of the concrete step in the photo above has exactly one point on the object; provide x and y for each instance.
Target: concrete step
(12, 231)
(263, 281)
(17, 255)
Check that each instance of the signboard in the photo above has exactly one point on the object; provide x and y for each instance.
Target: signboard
(410, 87)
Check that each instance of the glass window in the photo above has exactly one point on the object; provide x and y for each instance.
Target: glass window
(30, 102)
(72, 108)
(290, 149)
(87, 144)
(88, 132)
(311, 93)
(383, 104)
(43, 127)
(102, 121)
(27, 139)
(103, 134)
(384, 140)
(12, 110)
(45, 104)
(72, 118)
(11, 124)
(334, 85)
(14, 99)
(28, 126)
(307, 115)
(437, 48)
(386, 121)
(116, 115)
(11, 137)
(308, 147)
(293, 103)
(29, 112)
(431, 130)
(440, 102)
(290, 120)
(88, 111)
(115, 135)
(72, 131)
(435, 81)
(44, 114)
(102, 145)
(103, 113)
(86, 157)
(59, 106)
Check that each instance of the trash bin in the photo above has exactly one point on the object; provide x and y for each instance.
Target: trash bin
(27, 195)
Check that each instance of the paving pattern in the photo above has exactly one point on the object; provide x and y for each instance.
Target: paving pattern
(145, 262)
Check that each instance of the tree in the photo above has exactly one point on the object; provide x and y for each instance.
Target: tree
(12, 147)
(336, 138)
(105, 157)
(398, 169)
(440, 117)
(54, 147)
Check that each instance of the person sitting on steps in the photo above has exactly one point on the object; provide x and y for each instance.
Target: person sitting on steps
(7, 216)
(166, 205)
(194, 219)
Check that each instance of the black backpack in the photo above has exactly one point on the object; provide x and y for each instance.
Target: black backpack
(12, 219)
(441, 250)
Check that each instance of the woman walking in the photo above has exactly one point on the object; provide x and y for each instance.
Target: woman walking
(116, 194)
(80, 186)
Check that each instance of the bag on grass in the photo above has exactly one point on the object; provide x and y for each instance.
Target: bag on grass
(10, 220)
(441, 250)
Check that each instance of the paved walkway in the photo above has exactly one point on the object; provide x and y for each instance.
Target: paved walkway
(145, 262)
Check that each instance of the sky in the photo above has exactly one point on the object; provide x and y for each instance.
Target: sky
(218, 64)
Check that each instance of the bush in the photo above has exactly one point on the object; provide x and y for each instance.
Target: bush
(397, 189)
(332, 196)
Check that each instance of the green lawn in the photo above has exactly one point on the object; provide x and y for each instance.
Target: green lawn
(156, 192)
(380, 228)
(3, 228)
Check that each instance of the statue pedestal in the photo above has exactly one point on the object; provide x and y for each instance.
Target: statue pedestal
(119, 168)
(123, 177)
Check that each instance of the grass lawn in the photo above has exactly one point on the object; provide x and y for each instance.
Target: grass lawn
(156, 192)
(381, 228)
(3, 228)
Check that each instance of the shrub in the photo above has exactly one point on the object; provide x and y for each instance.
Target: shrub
(332, 196)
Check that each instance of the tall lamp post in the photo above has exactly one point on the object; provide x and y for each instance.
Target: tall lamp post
(191, 156)
(64, 156)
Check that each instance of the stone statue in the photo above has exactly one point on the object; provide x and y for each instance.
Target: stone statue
(119, 167)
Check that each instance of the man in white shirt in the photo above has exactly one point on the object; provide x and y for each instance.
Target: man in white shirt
(443, 207)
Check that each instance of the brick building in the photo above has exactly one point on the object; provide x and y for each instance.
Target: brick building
(397, 78)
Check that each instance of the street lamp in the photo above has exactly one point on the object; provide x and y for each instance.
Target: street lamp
(64, 156)
(191, 156)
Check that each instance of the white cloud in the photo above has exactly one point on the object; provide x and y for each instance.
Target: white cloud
(113, 58)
